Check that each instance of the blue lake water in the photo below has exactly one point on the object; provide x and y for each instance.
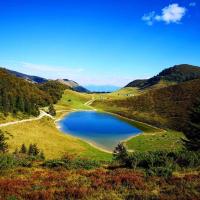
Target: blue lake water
(102, 129)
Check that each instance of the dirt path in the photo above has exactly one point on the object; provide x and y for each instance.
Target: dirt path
(42, 114)
(88, 103)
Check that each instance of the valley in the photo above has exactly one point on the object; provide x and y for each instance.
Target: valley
(111, 134)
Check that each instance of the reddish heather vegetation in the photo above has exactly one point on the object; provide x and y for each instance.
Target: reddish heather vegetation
(60, 184)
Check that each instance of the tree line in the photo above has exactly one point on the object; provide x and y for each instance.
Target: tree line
(18, 95)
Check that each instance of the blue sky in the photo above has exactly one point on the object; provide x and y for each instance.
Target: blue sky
(98, 41)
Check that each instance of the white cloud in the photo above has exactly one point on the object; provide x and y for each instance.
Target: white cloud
(192, 4)
(149, 18)
(170, 14)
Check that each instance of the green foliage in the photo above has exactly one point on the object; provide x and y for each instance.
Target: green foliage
(41, 155)
(23, 149)
(33, 150)
(52, 110)
(164, 107)
(192, 132)
(165, 172)
(3, 144)
(7, 161)
(69, 162)
(159, 163)
(54, 89)
(177, 73)
(120, 154)
(18, 95)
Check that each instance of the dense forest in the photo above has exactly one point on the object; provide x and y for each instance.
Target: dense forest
(18, 95)
(54, 89)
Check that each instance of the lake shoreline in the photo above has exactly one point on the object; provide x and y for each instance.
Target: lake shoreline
(93, 144)
(84, 140)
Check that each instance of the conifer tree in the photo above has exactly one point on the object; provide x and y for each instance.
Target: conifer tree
(3, 144)
(23, 149)
(30, 150)
(33, 150)
(192, 133)
(120, 154)
(36, 151)
(52, 110)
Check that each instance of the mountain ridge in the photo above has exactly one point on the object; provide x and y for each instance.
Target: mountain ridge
(39, 80)
(176, 74)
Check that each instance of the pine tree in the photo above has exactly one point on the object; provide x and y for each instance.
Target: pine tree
(36, 151)
(33, 150)
(3, 144)
(52, 110)
(120, 154)
(30, 150)
(20, 103)
(192, 132)
(23, 149)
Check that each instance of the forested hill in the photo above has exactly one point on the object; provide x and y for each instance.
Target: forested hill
(22, 93)
(19, 95)
(175, 74)
(167, 107)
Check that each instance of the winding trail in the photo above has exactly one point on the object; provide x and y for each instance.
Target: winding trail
(42, 114)
(88, 103)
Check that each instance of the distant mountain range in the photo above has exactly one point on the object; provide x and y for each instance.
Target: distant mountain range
(33, 79)
(102, 88)
(36, 79)
(169, 76)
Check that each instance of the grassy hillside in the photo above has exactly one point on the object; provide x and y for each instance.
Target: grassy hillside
(166, 107)
(169, 76)
(48, 138)
(73, 100)
(163, 140)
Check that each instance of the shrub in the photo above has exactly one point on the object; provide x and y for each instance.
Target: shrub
(120, 154)
(3, 144)
(23, 149)
(71, 163)
(165, 172)
(7, 161)
(85, 164)
(33, 150)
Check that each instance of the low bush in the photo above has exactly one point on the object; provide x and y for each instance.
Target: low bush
(69, 162)
(165, 172)
(7, 161)
(159, 163)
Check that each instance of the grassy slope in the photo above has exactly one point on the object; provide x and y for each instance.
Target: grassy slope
(50, 140)
(73, 100)
(169, 140)
(47, 136)
(12, 117)
(151, 139)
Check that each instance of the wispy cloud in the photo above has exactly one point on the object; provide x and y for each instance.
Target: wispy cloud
(192, 4)
(46, 71)
(49, 69)
(169, 14)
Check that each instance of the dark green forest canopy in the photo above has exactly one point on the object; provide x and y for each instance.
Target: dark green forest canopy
(18, 95)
